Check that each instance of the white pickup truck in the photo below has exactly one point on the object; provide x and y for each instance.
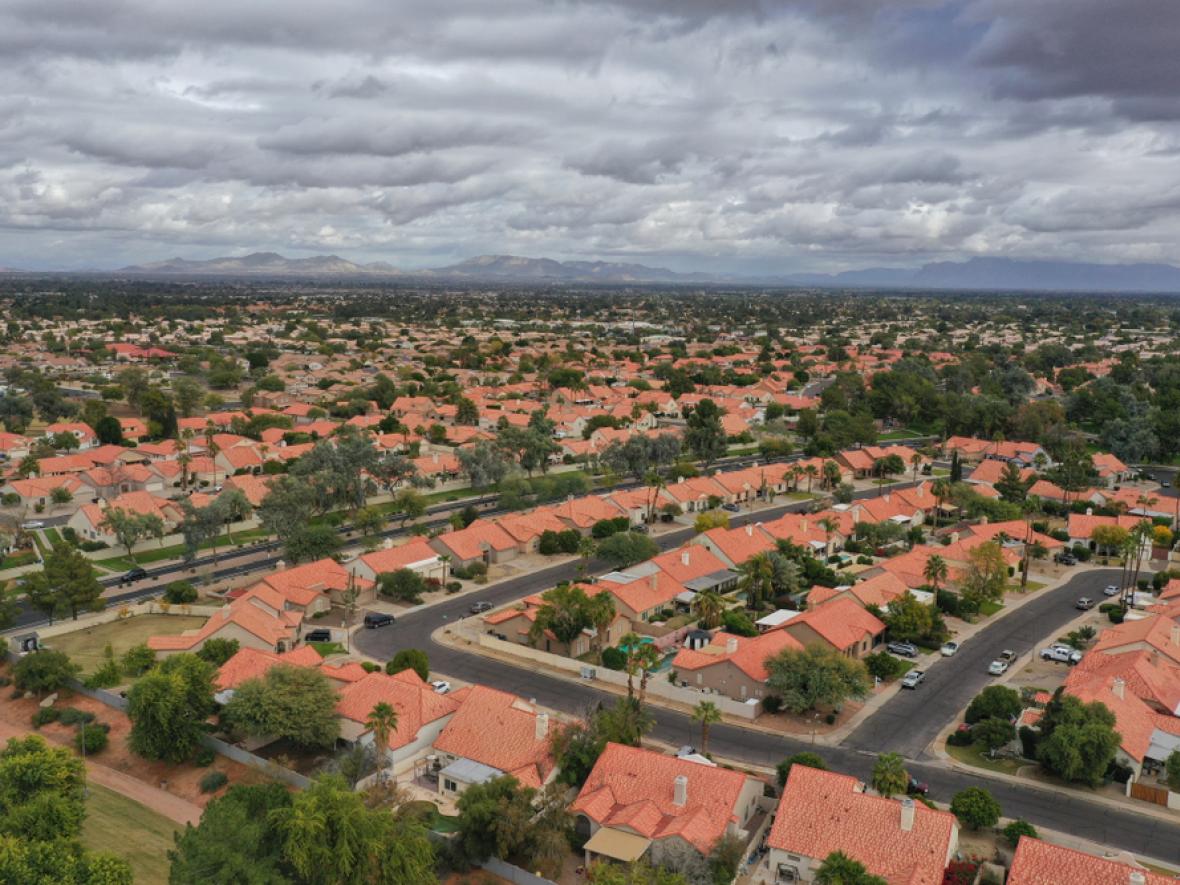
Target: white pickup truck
(1064, 653)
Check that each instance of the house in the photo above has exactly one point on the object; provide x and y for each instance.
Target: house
(515, 624)
(840, 624)
(736, 546)
(1081, 528)
(253, 663)
(37, 491)
(482, 541)
(416, 555)
(1110, 469)
(695, 494)
(314, 586)
(89, 520)
(494, 733)
(1042, 863)
(80, 431)
(251, 619)
(526, 528)
(734, 666)
(879, 590)
(422, 713)
(638, 803)
(822, 812)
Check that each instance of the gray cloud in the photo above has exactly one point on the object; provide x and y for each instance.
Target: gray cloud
(767, 134)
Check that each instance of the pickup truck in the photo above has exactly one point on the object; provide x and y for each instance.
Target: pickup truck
(1063, 653)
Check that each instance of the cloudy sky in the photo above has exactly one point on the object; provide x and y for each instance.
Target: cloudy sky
(745, 135)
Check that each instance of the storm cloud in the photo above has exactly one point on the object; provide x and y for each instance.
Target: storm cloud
(744, 135)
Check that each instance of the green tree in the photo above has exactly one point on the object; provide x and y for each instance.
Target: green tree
(840, 869)
(1078, 741)
(565, 611)
(639, 872)
(908, 619)
(627, 548)
(67, 584)
(994, 702)
(311, 542)
(709, 606)
(1016, 829)
(993, 733)
(1012, 485)
(188, 394)
(382, 721)
(706, 713)
(409, 504)
(217, 650)
(404, 585)
(1172, 769)
(44, 672)
(808, 760)
(484, 464)
(935, 571)
(493, 819)
(235, 842)
(41, 790)
(815, 676)
(410, 659)
(109, 431)
(704, 435)
(986, 575)
(890, 777)
(975, 808)
(169, 706)
(294, 703)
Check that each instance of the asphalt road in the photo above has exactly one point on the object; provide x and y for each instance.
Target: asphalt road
(911, 720)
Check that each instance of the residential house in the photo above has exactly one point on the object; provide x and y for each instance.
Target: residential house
(482, 541)
(734, 666)
(314, 586)
(255, 620)
(841, 625)
(416, 555)
(1043, 863)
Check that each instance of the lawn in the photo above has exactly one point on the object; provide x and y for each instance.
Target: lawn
(904, 433)
(85, 646)
(126, 828)
(53, 535)
(176, 551)
(328, 648)
(989, 608)
(973, 757)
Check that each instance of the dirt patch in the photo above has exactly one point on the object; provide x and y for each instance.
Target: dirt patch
(179, 780)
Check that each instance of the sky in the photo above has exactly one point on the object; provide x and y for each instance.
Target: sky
(747, 136)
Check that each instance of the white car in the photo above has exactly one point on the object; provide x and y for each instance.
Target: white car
(912, 679)
(948, 649)
(997, 668)
(441, 686)
(1111, 590)
(33, 524)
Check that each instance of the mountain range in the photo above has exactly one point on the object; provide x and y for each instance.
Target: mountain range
(973, 274)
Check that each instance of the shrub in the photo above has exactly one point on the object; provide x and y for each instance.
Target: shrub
(138, 659)
(92, 546)
(89, 741)
(74, 716)
(772, 703)
(1081, 552)
(994, 702)
(959, 739)
(975, 808)
(885, 666)
(738, 622)
(809, 760)
(1028, 741)
(213, 781)
(454, 586)
(217, 650)
(180, 593)
(204, 757)
(370, 667)
(43, 672)
(1116, 615)
(830, 719)
(1016, 829)
(108, 675)
(614, 659)
(69, 535)
(45, 715)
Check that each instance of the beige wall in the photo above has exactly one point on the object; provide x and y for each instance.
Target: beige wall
(725, 678)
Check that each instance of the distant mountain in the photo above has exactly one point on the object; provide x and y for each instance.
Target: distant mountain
(263, 264)
(976, 273)
(1009, 274)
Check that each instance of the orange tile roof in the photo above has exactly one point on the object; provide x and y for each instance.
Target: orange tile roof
(634, 788)
(241, 612)
(252, 663)
(688, 562)
(841, 622)
(748, 654)
(742, 543)
(405, 555)
(417, 704)
(1042, 863)
(500, 730)
(821, 812)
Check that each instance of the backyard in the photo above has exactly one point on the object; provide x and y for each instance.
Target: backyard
(122, 826)
(85, 646)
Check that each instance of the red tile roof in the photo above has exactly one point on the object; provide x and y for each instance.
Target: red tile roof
(748, 654)
(500, 730)
(1041, 863)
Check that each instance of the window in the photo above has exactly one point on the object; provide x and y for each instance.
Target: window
(450, 786)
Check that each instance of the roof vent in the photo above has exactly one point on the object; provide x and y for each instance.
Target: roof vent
(907, 815)
(680, 791)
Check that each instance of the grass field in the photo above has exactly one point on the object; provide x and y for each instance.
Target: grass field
(328, 648)
(85, 646)
(176, 551)
(128, 829)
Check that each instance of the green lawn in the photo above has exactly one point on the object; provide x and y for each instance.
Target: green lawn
(989, 608)
(176, 551)
(85, 646)
(904, 433)
(53, 535)
(126, 828)
(328, 648)
(973, 757)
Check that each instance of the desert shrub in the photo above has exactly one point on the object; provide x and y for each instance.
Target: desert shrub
(138, 659)
(614, 659)
(89, 741)
(180, 593)
(45, 715)
(213, 781)
(204, 757)
(74, 716)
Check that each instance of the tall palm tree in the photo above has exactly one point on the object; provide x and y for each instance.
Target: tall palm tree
(630, 642)
(212, 449)
(941, 489)
(586, 548)
(382, 722)
(706, 713)
(935, 572)
(601, 609)
(831, 474)
(811, 472)
(915, 462)
(655, 484)
(647, 658)
(829, 525)
(709, 606)
(184, 459)
(796, 473)
(757, 579)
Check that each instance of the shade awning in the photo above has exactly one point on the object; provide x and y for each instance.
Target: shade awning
(617, 844)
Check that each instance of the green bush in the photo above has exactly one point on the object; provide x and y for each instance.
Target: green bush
(1116, 616)
(213, 781)
(1016, 829)
(74, 716)
(959, 739)
(614, 659)
(1029, 738)
(108, 675)
(454, 586)
(180, 593)
(138, 659)
(91, 740)
(370, 667)
(738, 623)
(204, 757)
(45, 715)
(772, 703)
(44, 672)
(885, 666)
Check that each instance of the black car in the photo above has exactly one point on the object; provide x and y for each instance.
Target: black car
(318, 636)
(135, 574)
(1066, 559)
(917, 788)
(373, 620)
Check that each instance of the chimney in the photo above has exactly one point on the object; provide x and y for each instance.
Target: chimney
(803, 525)
(1154, 659)
(983, 519)
(749, 530)
(387, 543)
(225, 612)
(1089, 511)
(907, 815)
(654, 581)
(684, 557)
(680, 791)
(731, 645)
(436, 457)
(542, 726)
(1118, 687)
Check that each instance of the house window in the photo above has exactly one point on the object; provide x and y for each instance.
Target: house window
(450, 786)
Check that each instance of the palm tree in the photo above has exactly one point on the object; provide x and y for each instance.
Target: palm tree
(829, 525)
(586, 549)
(630, 642)
(706, 713)
(812, 472)
(796, 473)
(655, 484)
(915, 462)
(647, 658)
(831, 474)
(710, 607)
(382, 722)
(941, 489)
(601, 609)
(212, 449)
(757, 579)
(935, 571)
(184, 459)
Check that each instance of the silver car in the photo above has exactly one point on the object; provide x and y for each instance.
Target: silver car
(912, 679)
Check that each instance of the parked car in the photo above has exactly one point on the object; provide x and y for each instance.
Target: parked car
(948, 649)
(732, 508)
(478, 608)
(1111, 590)
(640, 529)
(441, 686)
(320, 635)
(135, 574)
(1060, 652)
(905, 649)
(1085, 603)
(1066, 559)
(33, 524)
(912, 679)
(917, 788)
(1008, 656)
(373, 620)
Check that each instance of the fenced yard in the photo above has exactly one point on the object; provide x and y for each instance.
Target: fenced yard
(85, 645)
